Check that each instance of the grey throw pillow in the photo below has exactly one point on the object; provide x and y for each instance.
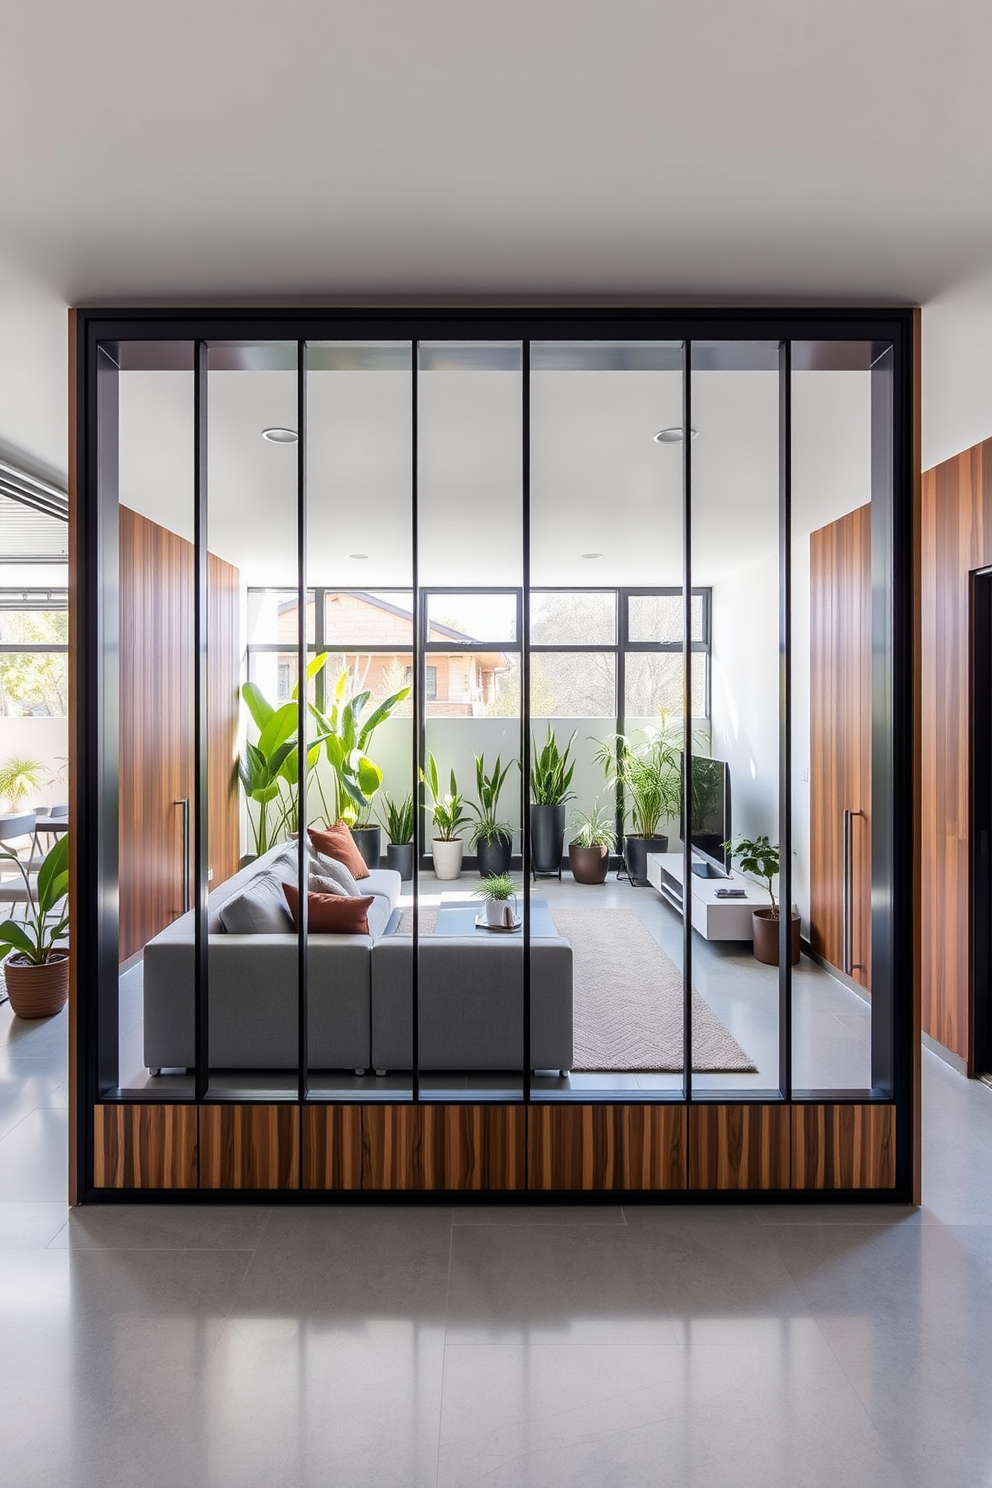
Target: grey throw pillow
(259, 909)
(320, 884)
(339, 874)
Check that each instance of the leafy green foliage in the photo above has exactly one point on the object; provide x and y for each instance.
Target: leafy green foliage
(397, 819)
(488, 827)
(39, 931)
(647, 770)
(551, 774)
(496, 886)
(447, 807)
(18, 778)
(595, 828)
(760, 858)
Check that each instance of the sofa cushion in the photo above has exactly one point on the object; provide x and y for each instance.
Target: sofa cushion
(321, 883)
(331, 914)
(338, 873)
(337, 842)
(257, 909)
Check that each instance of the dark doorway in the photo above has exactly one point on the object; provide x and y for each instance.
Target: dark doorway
(981, 819)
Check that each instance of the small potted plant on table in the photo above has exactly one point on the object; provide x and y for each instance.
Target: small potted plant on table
(492, 838)
(398, 822)
(760, 858)
(500, 895)
(36, 970)
(449, 816)
(594, 838)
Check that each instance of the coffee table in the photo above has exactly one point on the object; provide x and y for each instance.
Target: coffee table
(459, 919)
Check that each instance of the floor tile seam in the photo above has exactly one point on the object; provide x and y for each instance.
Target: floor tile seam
(27, 1117)
(154, 1249)
(444, 1356)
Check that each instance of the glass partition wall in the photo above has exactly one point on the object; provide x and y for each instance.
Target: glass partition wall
(587, 631)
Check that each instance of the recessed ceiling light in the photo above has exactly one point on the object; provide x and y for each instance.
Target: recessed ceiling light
(592, 555)
(358, 555)
(674, 435)
(280, 436)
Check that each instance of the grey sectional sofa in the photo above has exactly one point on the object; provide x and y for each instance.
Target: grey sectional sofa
(359, 990)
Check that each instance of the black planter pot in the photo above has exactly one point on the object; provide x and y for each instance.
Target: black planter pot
(547, 838)
(399, 857)
(636, 850)
(367, 842)
(494, 857)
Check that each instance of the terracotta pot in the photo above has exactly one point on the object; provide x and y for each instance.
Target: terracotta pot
(766, 931)
(589, 865)
(37, 991)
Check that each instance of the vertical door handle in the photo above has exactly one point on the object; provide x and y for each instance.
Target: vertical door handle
(184, 803)
(847, 902)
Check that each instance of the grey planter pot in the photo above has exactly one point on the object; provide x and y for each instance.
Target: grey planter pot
(399, 857)
(547, 838)
(495, 856)
(636, 850)
(367, 841)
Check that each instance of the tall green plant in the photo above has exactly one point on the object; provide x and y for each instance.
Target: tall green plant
(35, 936)
(447, 807)
(551, 774)
(344, 736)
(397, 819)
(488, 827)
(647, 770)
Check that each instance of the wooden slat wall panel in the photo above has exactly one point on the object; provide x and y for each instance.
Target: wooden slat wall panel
(250, 1146)
(144, 1146)
(840, 732)
(156, 724)
(601, 1147)
(844, 1146)
(223, 693)
(956, 537)
(739, 1146)
(429, 1147)
(332, 1147)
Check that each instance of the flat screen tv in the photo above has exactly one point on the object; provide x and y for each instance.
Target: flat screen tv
(711, 826)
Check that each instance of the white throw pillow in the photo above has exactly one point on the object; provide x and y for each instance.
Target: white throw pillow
(339, 874)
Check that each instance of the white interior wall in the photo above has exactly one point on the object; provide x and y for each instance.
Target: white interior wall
(45, 740)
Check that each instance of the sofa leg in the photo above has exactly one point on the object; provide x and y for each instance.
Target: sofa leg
(381, 1073)
(154, 1072)
(564, 1074)
(359, 1072)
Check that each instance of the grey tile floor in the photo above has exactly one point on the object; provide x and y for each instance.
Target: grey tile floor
(283, 1347)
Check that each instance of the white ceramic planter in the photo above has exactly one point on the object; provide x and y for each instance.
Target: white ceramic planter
(447, 858)
(501, 913)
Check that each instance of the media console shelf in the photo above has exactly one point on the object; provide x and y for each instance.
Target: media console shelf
(714, 917)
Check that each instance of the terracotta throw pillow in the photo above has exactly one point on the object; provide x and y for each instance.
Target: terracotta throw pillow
(337, 842)
(331, 914)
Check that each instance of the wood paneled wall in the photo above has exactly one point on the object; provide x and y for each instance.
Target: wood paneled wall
(840, 733)
(156, 722)
(461, 1147)
(956, 537)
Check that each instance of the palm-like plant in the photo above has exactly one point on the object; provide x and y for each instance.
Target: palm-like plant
(647, 770)
(18, 778)
(447, 807)
(595, 828)
(488, 827)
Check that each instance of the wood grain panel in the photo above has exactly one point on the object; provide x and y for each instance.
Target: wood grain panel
(844, 1146)
(439, 1147)
(738, 1147)
(332, 1146)
(955, 537)
(156, 724)
(223, 693)
(144, 1146)
(602, 1147)
(840, 733)
(250, 1146)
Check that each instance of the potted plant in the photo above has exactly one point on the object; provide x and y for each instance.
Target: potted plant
(18, 778)
(492, 838)
(449, 816)
(500, 895)
(647, 771)
(398, 821)
(760, 858)
(593, 839)
(550, 778)
(36, 970)
(367, 835)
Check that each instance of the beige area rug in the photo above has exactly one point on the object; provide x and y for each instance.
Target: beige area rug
(627, 999)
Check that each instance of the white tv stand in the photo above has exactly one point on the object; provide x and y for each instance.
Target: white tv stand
(714, 918)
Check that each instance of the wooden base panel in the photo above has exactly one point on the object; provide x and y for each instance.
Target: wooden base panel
(457, 1147)
(601, 1147)
(250, 1146)
(844, 1146)
(145, 1146)
(332, 1147)
(739, 1147)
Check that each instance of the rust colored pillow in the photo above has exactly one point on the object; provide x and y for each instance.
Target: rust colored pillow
(337, 842)
(331, 914)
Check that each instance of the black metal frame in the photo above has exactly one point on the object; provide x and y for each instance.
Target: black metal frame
(980, 807)
(100, 333)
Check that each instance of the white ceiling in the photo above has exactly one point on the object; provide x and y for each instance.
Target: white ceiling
(599, 482)
(592, 150)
